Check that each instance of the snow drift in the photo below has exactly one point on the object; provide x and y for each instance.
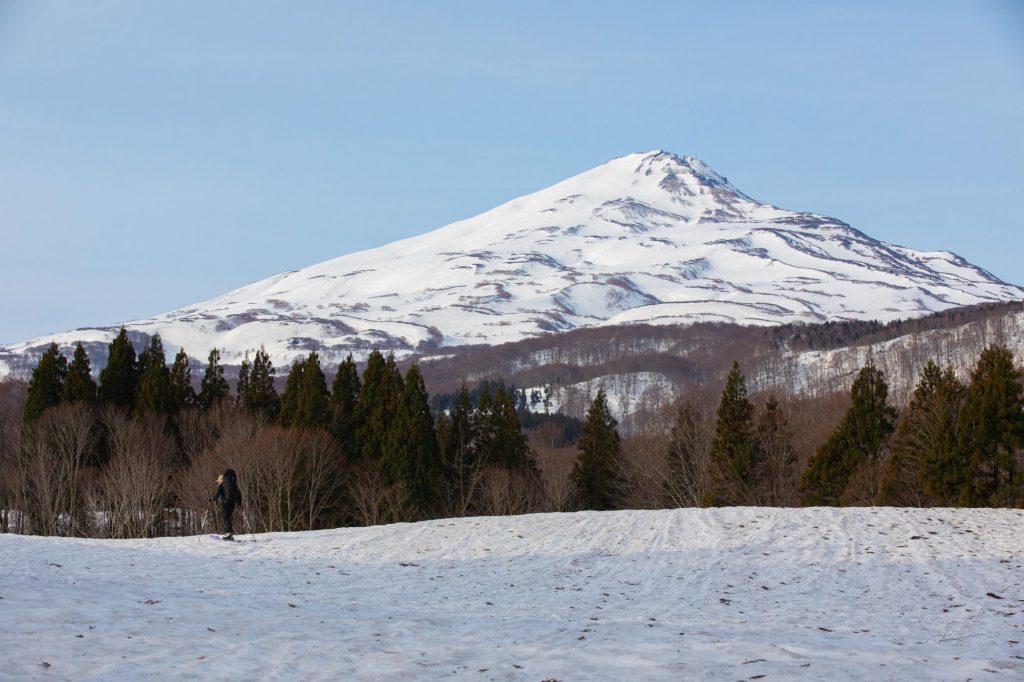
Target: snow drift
(740, 593)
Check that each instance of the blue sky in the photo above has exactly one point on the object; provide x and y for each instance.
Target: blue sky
(154, 155)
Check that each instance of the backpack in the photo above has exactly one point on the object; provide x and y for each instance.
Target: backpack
(231, 493)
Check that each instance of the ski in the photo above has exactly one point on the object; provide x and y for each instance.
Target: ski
(217, 536)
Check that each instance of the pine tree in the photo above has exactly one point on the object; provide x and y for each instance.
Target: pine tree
(378, 400)
(922, 468)
(214, 387)
(457, 436)
(856, 446)
(511, 448)
(154, 392)
(261, 397)
(992, 431)
(314, 403)
(733, 454)
(119, 380)
(485, 431)
(182, 393)
(47, 383)
(290, 399)
(79, 385)
(596, 474)
(344, 400)
(242, 385)
(411, 459)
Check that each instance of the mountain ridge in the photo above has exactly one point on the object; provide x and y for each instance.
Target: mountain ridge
(650, 237)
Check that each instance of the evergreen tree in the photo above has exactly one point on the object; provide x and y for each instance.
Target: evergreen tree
(119, 380)
(378, 400)
(411, 459)
(261, 396)
(242, 385)
(733, 454)
(290, 399)
(154, 392)
(214, 387)
(182, 394)
(458, 438)
(344, 401)
(485, 441)
(47, 383)
(314, 403)
(857, 443)
(511, 448)
(596, 474)
(992, 431)
(922, 468)
(79, 385)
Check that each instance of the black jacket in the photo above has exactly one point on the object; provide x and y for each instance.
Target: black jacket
(228, 492)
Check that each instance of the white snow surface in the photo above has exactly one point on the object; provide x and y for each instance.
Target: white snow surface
(649, 237)
(717, 594)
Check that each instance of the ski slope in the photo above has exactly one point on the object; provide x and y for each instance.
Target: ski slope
(722, 594)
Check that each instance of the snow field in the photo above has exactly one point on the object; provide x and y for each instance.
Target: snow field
(690, 594)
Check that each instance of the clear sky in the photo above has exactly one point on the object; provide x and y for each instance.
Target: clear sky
(154, 155)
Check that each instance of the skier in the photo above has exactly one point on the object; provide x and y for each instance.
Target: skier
(229, 496)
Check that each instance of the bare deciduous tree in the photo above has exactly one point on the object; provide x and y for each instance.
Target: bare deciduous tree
(689, 454)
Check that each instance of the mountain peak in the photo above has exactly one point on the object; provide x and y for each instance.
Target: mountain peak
(651, 237)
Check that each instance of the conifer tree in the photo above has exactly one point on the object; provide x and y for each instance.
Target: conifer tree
(458, 438)
(214, 387)
(290, 398)
(313, 408)
(79, 385)
(511, 448)
(154, 392)
(119, 380)
(378, 399)
(261, 396)
(485, 433)
(344, 401)
(182, 393)
(922, 468)
(242, 385)
(596, 474)
(733, 453)
(992, 431)
(411, 458)
(858, 441)
(47, 383)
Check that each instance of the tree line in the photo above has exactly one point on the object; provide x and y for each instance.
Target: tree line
(135, 453)
(955, 444)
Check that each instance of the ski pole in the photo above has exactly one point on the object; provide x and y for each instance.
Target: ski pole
(202, 525)
(248, 525)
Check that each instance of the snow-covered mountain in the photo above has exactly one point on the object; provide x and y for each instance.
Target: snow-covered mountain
(650, 237)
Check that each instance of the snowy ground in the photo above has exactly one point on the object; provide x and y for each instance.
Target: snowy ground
(726, 594)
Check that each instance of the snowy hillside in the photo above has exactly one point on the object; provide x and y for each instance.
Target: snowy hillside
(739, 593)
(648, 237)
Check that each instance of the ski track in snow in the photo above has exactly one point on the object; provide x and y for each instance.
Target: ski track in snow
(739, 593)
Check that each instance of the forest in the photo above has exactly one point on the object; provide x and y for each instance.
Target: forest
(136, 453)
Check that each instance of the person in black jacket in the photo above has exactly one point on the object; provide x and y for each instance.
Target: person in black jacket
(229, 496)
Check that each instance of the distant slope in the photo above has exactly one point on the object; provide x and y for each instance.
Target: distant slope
(644, 368)
(649, 238)
(690, 594)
